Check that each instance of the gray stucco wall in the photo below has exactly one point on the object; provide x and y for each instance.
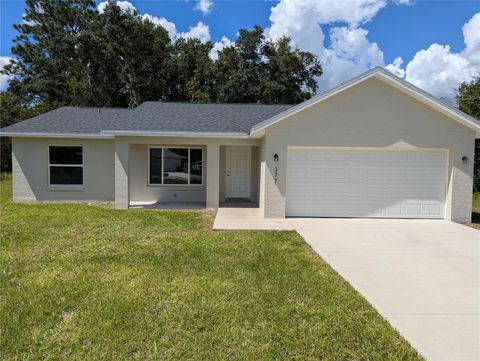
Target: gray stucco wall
(372, 115)
(118, 170)
(30, 170)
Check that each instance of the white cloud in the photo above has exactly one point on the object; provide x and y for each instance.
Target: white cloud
(200, 31)
(4, 60)
(167, 25)
(124, 5)
(349, 52)
(353, 45)
(396, 67)
(471, 36)
(219, 46)
(439, 71)
(205, 6)
(436, 69)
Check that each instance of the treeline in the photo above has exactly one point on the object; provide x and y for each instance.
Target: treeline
(67, 53)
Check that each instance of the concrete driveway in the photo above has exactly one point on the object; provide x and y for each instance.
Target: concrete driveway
(423, 276)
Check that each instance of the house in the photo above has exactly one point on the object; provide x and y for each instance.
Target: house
(375, 146)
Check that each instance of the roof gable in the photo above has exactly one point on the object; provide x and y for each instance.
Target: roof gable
(387, 77)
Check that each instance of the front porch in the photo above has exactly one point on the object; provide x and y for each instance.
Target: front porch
(178, 173)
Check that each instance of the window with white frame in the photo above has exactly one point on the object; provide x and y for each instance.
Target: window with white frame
(65, 165)
(175, 166)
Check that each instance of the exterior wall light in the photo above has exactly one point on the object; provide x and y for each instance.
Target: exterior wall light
(275, 157)
(465, 159)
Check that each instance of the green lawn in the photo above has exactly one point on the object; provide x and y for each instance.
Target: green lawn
(476, 209)
(91, 282)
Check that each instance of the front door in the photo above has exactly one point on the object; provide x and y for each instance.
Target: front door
(237, 180)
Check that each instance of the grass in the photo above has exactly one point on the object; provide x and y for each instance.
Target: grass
(91, 282)
(476, 210)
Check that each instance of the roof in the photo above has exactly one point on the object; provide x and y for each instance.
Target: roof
(208, 120)
(69, 120)
(194, 117)
(388, 77)
(152, 117)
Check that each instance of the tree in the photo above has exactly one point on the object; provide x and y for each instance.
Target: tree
(67, 53)
(191, 72)
(468, 98)
(45, 64)
(291, 74)
(12, 110)
(125, 58)
(258, 70)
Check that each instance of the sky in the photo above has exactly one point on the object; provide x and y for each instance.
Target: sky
(433, 44)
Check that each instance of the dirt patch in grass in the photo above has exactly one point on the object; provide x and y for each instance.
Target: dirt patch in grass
(473, 225)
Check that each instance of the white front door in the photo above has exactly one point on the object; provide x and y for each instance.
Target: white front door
(237, 177)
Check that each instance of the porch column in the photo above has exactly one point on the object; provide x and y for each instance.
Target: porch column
(121, 174)
(213, 175)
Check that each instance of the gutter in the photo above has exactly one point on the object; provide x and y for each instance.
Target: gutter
(55, 135)
(176, 134)
(112, 134)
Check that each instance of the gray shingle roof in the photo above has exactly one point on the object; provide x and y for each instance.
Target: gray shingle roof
(69, 120)
(150, 116)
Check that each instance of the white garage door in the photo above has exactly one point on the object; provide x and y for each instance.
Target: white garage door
(366, 183)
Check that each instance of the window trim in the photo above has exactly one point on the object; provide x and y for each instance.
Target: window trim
(65, 186)
(162, 147)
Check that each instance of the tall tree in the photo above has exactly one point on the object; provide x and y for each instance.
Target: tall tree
(468, 98)
(190, 75)
(125, 57)
(290, 74)
(45, 65)
(258, 70)
(239, 68)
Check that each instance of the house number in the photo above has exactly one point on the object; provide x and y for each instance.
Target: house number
(275, 176)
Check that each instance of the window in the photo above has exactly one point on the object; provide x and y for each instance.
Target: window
(175, 166)
(156, 165)
(65, 165)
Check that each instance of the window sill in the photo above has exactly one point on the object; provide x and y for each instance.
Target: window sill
(72, 188)
(176, 185)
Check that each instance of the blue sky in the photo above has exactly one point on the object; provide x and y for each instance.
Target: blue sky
(348, 36)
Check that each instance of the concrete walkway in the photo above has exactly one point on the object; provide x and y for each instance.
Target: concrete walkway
(423, 276)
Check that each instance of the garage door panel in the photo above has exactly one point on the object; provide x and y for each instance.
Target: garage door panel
(317, 172)
(366, 183)
(336, 173)
(432, 209)
(394, 210)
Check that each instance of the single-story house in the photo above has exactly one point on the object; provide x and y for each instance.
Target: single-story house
(375, 146)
